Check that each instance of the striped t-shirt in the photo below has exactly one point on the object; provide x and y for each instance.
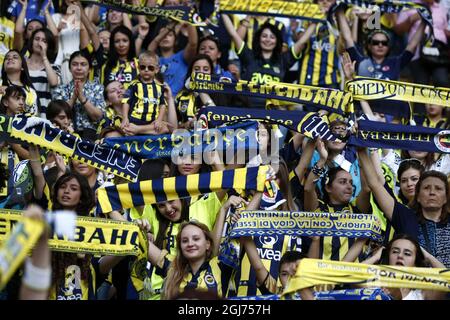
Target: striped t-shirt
(42, 87)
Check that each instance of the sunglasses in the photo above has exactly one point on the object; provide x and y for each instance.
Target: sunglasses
(149, 68)
(378, 42)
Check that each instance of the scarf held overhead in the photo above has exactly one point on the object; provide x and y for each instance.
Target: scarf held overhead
(299, 10)
(373, 134)
(310, 124)
(176, 13)
(332, 100)
(92, 235)
(236, 137)
(363, 88)
(311, 272)
(258, 223)
(130, 195)
(45, 135)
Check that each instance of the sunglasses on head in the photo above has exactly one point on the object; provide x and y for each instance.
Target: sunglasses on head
(378, 42)
(149, 68)
(410, 160)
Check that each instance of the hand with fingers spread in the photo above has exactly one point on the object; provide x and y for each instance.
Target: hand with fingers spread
(348, 66)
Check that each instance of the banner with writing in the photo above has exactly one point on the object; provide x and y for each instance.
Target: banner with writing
(349, 294)
(363, 88)
(49, 137)
(16, 246)
(391, 6)
(236, 137)
(373, 134)
(311, 272)
(92, 235)
(308, 123)
(298, 10)
(130, 195)
(259, 223)
(176, 13)
(332, 100)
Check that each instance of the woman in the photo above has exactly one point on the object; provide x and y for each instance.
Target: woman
(209, 45)
(15, 72)
(409, 173)
(427, 220)
(267, 51)
(84, 96)
(377, 64)
(76, 276)
(43, 73)
(337, 188)
(431, 161)
(122, 64)
(174, 65)
(424, 71)
(404, 251)
(188, 103)
(194, 260)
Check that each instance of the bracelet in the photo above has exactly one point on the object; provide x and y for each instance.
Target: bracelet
(37, 278)
(83, 103)
(318, 171)
(35, 160)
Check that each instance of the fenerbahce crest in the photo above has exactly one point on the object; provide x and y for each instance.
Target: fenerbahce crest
(442, 141)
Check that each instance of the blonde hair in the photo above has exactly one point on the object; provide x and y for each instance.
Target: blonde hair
(179, 266)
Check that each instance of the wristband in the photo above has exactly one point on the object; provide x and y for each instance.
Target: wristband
(37, 278)
(318, 171)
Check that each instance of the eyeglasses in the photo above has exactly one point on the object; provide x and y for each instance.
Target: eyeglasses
(378, 42)
(149, 68)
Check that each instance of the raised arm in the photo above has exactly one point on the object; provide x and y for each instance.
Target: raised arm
(19, 30)
(50, 23)
(153, 46)
(417, 38)
(385, 201)
(344, 28)
(305, 159)
(244, 24)
(304, 38)
(232, 31)
(38, 174)
(90, 28)
(311, 201)
(191, 47)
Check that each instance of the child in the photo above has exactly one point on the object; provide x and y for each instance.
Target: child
(144, 102)
(60, 113)
(13, 101)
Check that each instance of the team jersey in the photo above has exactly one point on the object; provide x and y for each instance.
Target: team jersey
(319, 65)
(75, 288)
(426, 122)
(335, 248)
(186, 105)
(98, 58)
(270, 249)
(203, 209)
(124, 72)
(144, 100)
(110, 119)
(6, 37)
(207, 278)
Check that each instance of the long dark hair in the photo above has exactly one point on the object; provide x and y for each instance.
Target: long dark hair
(406, 165)
(420, 260)
(164, 222)
(87, 200)
(52, 49)
(328, 181)
(113, 55)
(257, 46)
(24, 74)
(416, 205)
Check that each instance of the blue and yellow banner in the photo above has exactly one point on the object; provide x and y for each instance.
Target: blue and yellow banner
(130, 195)
(49, 137)
(312, 272)
(176, 13)
(363, 88)
(373, 134)
(297, 10)
(96, 236)
(236, 137)
(350, 225)
(333, 100)
(308, 123)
